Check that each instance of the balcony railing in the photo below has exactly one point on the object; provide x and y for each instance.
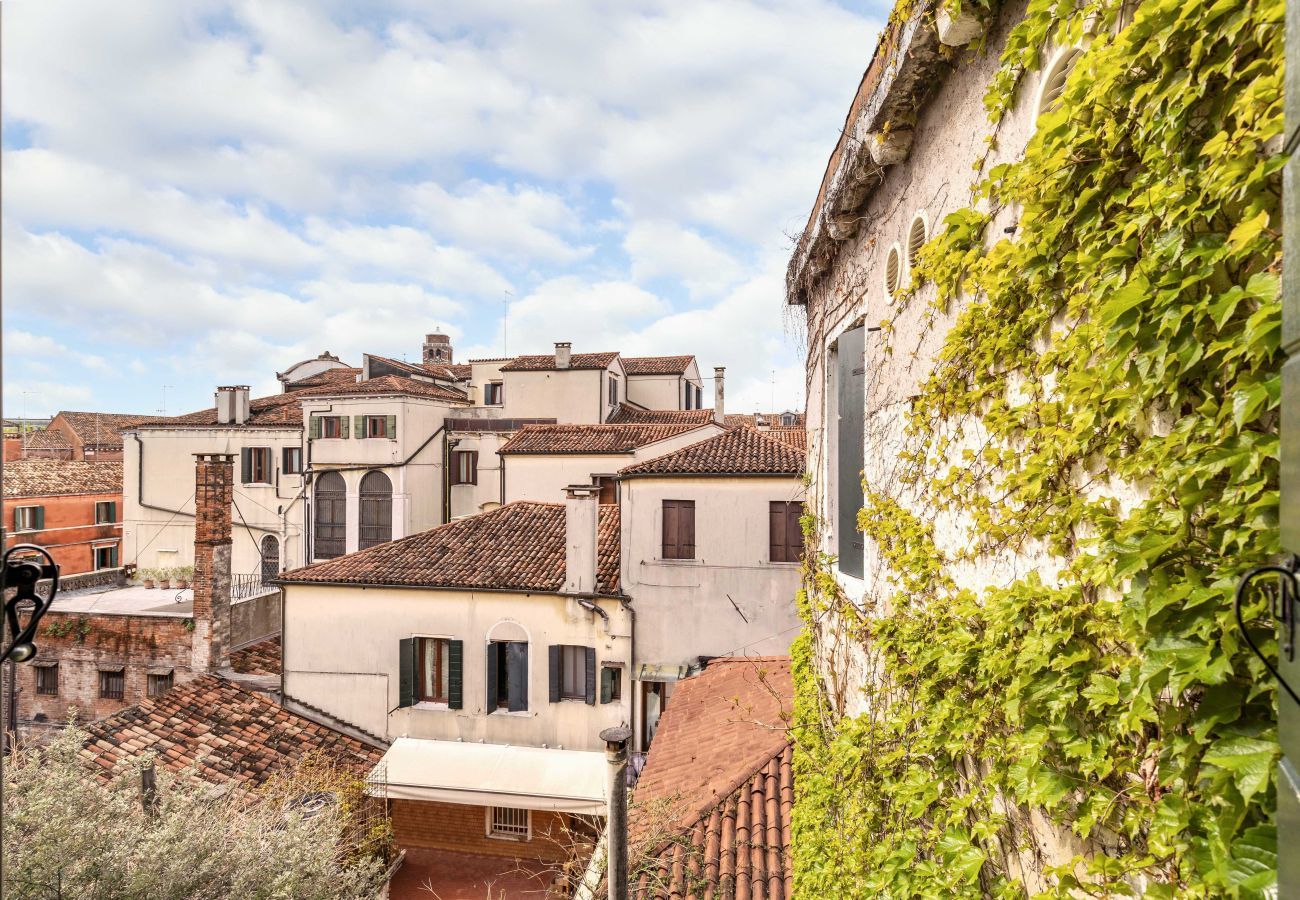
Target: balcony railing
(243, 587)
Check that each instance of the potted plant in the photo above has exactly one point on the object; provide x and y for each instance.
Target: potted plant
(165, 579)
(148, 576)
(183, 575)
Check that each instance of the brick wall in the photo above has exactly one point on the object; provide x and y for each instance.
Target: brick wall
(82, 643)
(214, 485)
(70, 532)
(448, 826)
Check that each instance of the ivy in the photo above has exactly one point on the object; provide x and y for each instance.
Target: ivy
(1104, 405)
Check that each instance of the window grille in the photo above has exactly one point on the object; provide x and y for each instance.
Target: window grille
(160, 684)
(112, 685)
(509, 822)
(47, 679)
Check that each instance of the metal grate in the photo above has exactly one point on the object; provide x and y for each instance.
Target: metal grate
(509, 822)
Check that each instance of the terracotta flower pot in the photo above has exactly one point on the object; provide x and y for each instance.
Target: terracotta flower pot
(148, 583)
(165, 584)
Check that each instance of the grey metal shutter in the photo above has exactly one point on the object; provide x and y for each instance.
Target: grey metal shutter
(406, 672)
(851, 378)
(591, 675)
(456, 674)
(246, 465)
(391, 428)
(517, 671)
(555, 671)
(493, 661)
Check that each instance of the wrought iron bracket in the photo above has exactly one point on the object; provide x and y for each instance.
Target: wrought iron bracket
(19, 570)
(1284, 608)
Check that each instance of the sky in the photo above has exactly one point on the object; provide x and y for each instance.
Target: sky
(199, 193)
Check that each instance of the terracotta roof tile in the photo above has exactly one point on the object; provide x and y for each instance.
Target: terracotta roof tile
(548, 439)
(262, 658)
(98, 429)
(48, 439)
(206, 723)
(329, 376)
(634, 415)
(711, 812)
(546, 362)
(791, 437)
(657, 365)
(52, 477)
(519, 546)
(772, 419)
(391, 384)
(740, 451)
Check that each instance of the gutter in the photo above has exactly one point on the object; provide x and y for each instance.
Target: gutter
(283, 583)
(175, 512)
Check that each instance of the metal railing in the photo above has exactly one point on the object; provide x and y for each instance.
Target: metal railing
(242, 587)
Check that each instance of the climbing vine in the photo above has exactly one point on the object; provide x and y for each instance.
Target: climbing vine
(1103, 410)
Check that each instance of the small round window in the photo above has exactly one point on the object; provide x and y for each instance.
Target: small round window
(917, 235)
(893, 270)
(1054, 78)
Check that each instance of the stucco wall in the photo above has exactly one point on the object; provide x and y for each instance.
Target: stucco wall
(70, 532)
(661, 391)
(569, 395)
(341, 655)
(470, 499)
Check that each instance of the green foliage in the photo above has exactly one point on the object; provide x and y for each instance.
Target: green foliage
(79, 628)
(1124, 343)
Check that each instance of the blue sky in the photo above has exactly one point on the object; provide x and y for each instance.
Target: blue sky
(202, 193)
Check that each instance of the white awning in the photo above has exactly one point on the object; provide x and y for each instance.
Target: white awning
(492, 775)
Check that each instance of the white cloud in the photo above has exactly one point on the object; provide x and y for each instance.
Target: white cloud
(662, 249)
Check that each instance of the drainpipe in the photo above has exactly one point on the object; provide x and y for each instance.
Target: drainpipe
(616, 756)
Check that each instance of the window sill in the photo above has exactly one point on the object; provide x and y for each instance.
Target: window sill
(523, 713)
(430, 705)
(517, 838)
(678, 562)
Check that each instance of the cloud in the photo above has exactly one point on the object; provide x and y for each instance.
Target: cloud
(661, 249)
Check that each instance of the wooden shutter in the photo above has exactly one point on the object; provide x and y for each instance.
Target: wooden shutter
(670, 549)
(112, 557)
(455, 466)
(359, 425)
(313, 430)
(517, 672)
(456, 674)
(246, 465)
(607, 685)
(851, 393)
(686, 533)
(473, 467)
(776, 538)
(112, 510)
(794, 531)
(39, 524)
(591, 675)
(391, 428)
(493, 661)
(555, 655)
(406, 672)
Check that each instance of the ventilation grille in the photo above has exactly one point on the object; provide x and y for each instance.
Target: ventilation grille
(1055, 78)
(893, 270)
(917, 235)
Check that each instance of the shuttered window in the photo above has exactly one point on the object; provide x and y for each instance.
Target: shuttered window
(507, 676)
(850, 371)
(257, 465)
(29, 518)
(679, 529)
(376, 509)
(494, 393)
(613, 391)
(611, 684)
(572, 673)
(105, 558)
(464, 467)
(330, 520)
(431, 670)
(105, 512)
(292, 462)
(377, 427)
(785, 533)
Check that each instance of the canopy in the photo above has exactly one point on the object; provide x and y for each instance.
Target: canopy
(570, 781)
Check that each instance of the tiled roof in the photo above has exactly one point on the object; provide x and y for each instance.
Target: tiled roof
(547, 362)
(740, 451)
(791, 437)
(711, 811)
(392, 384)
(772, 419)
(101, 429)
(48, 439)
(276, 411)
(656, 365)
(633, 415)
(432, 370)
(262, 658)
(227, 733)
(549, 439)
(519, 547)
(52, 477)
(341, 375)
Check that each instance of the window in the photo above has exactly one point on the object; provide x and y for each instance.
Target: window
(376, 502)
(787, 420)
(917, 235)
(47, 679)
(270, 553)
(785, 532)
(507, 676)
(573, 673)
(464, 467)
(256, 465)
(432, 671)
(508, 823)
(330, 520)
(893, 271)
(105, 558)
(377, 427)
(112, 684)
(435, 670)
(29, 518)
(691, 402)
(105, 512)
(494, 393)
(611, 684)
(850, 398)
(679, 529)
(159, 683)
(292, 461)
(329, 427)
(613, 391)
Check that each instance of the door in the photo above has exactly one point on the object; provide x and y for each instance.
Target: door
(331, 518)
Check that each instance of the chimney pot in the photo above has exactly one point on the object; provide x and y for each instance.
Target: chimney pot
(563, 354)
(232, 404)
(719, 395)
(581, 526)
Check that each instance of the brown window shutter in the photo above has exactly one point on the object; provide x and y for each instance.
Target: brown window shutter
(687, 540)
(794, 531)
(670, 530)
(776, 537)
(473, 467)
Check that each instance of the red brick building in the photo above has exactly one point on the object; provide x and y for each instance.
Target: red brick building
(82, 436)
(71, 507)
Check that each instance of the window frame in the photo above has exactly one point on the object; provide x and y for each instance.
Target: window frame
(260, 466)
(27, 518)
(291, 461)
(573, 662)
(442, 651)
(111, 507)
(369, 423)
(785, 518)
(494, 393)
(470, 473)
(613, 390)
(42, 673)
(153, 680)
(511, 832)
(326, 422)
(113, 559)
(105, 680)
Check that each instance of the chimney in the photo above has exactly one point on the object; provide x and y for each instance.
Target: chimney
(214, 480)
(232, 404)
(719, 394)
(437, 349)
(581, 521)
(563, 354)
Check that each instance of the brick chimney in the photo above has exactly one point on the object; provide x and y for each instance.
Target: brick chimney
(214, 480)
(437, 349)
(581, 526)
(232, 404)
(563, 354)
(720, 395)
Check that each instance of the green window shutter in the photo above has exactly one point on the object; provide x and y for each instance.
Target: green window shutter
(392, 428)
(40, 518)
(606, 685)
(591, 675)
(314, 430)
(406, 674)
(456, 674)
(517, 672)
(246, 465)
(112, 512)
(555, 657)
(112, 558)
(493, 663)
(360, 426)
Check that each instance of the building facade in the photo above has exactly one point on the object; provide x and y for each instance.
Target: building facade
(71, 508)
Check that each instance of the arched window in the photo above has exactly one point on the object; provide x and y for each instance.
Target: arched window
(376, 510)
(331, 520)
(270, 556)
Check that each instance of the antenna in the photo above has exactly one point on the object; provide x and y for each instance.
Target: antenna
(163, 411)
(505, 321)
(773, 406)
